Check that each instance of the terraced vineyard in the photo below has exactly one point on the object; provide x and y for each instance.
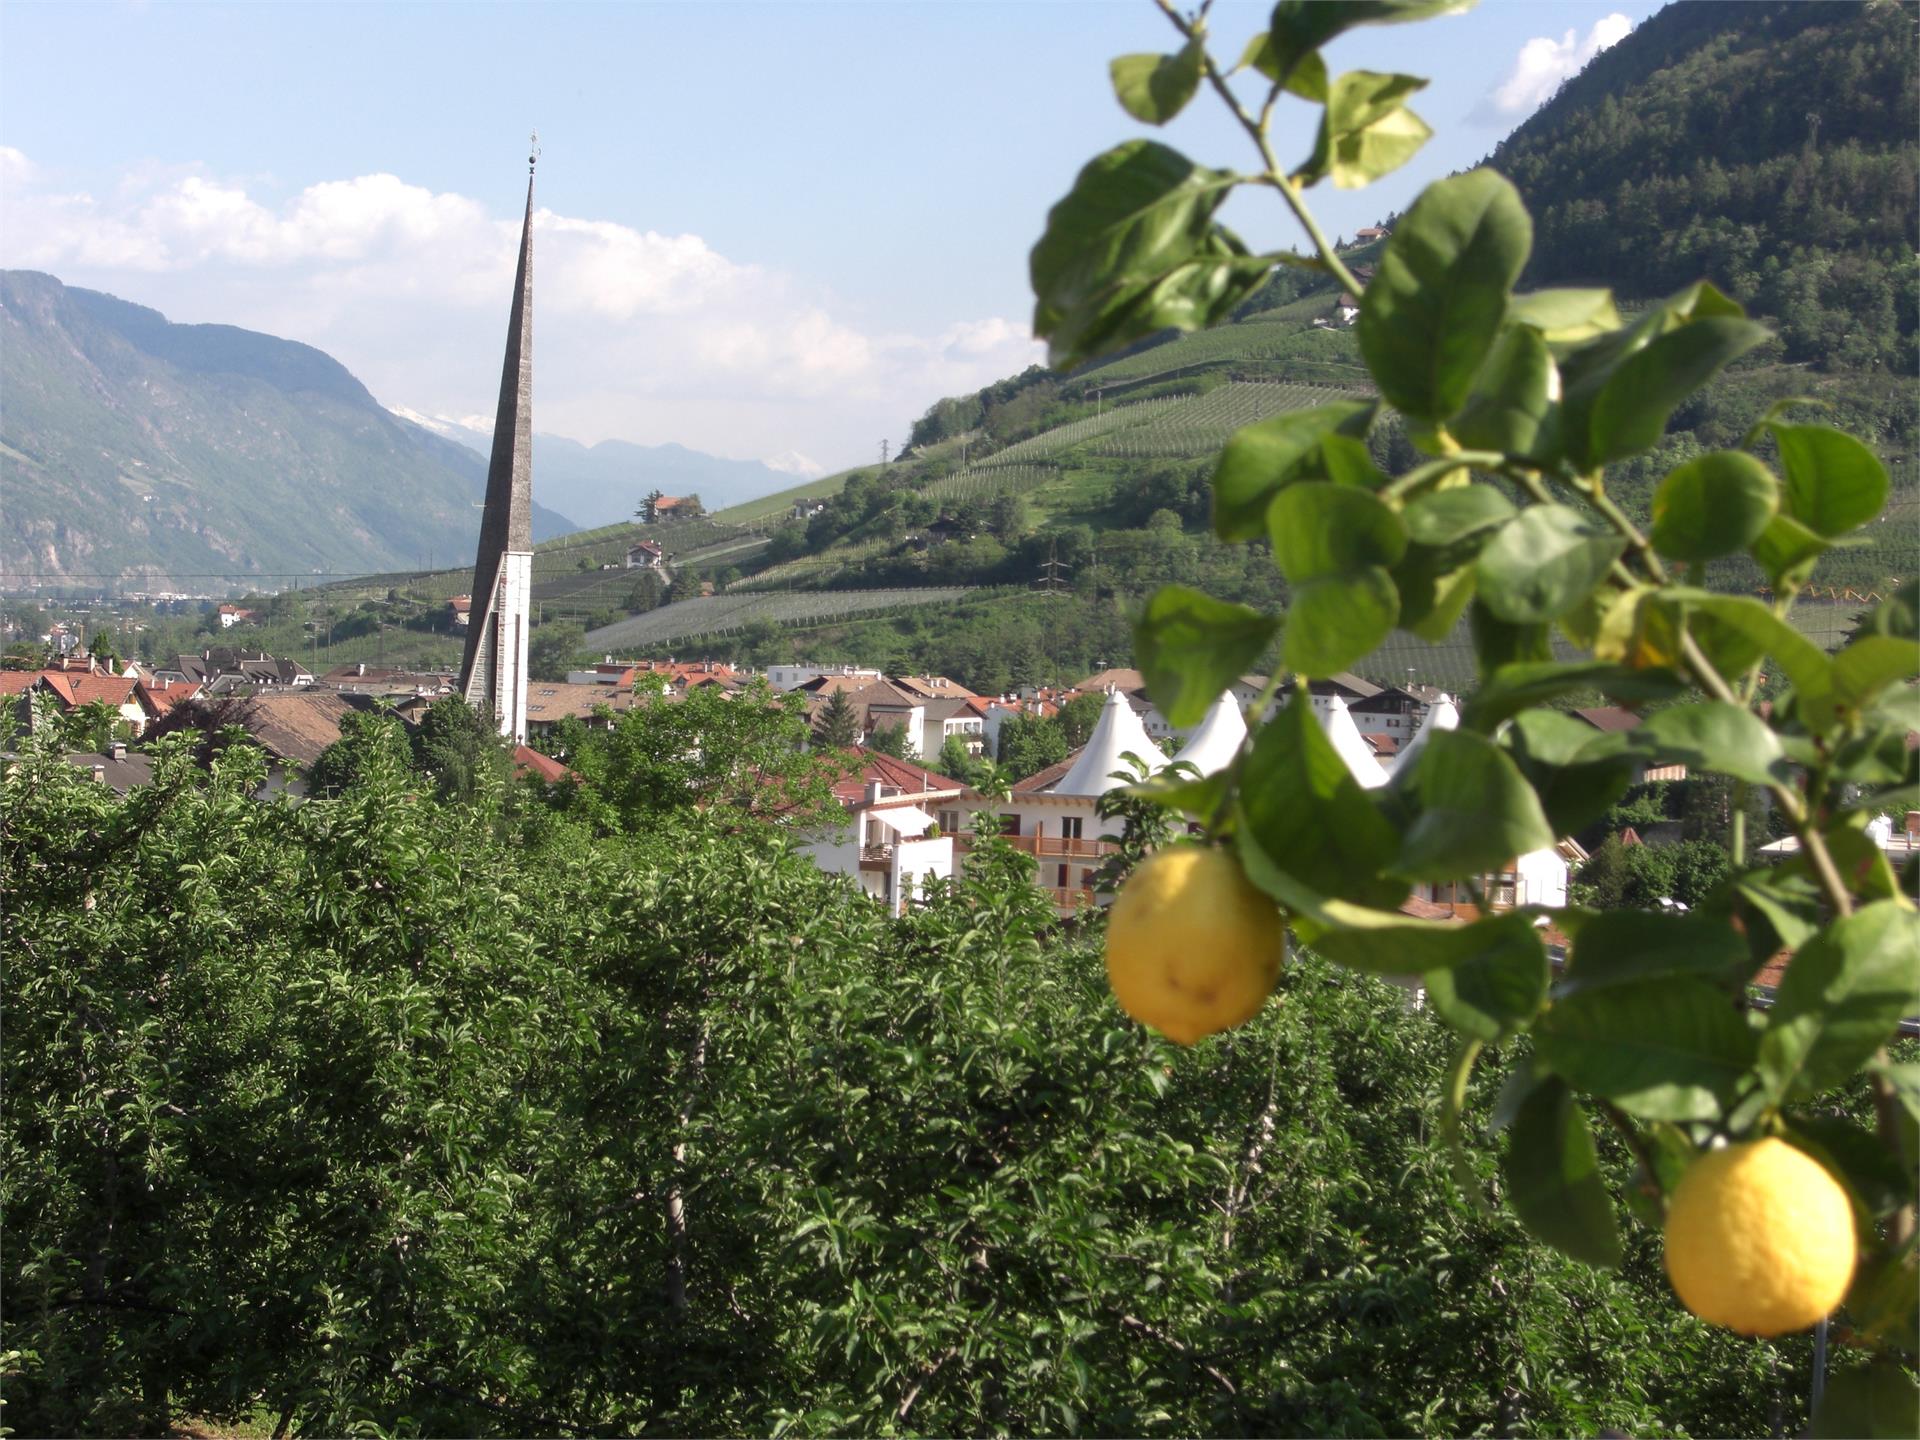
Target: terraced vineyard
(1203, 424)
(718, 614)
(771, 509)
(991, 479)
(1243, 343)
(1066, 437)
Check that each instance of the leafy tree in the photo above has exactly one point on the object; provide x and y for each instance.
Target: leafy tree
(889, 740)
(646, 593)
(101, 648)
(1030, 743)
(1078, 717)
(464, 754)
(551, 648)
(838, 726)
(956, 759)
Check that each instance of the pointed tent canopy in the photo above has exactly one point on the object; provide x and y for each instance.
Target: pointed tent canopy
(1217, 739)
(1443, 715)
(1347, 743)
(1118, 731)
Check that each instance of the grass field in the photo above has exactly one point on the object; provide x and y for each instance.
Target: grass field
(775, 506)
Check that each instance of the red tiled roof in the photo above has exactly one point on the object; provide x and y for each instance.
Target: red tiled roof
(529, 761)
(72, 690)
(17, 682)
(1420, 909)
(160, 696)
(1041, 779)
(869, 766)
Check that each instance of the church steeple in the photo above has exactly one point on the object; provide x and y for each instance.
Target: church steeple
(493, 672)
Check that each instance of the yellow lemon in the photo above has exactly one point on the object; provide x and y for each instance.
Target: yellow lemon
(1192, 947)
(1759, 1238)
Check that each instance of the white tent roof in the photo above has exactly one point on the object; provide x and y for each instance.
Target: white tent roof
(1347, 743)
(1217, 739)
(1442, 715)
(1118, 731)
(906, 819)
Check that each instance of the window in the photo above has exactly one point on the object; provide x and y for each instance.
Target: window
(1070, 827)
(1009, 824)
(1061, 883)
(949, 822)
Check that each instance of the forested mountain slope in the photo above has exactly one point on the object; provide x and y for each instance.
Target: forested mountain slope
(1770, 147)
(136, 450)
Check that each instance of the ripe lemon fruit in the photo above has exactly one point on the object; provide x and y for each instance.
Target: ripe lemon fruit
(1192, 947)
(1759, 1238)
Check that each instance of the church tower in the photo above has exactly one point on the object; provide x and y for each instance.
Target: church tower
(493, 673)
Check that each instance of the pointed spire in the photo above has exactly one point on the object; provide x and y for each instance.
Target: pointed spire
(493, 670)
(1344, 736)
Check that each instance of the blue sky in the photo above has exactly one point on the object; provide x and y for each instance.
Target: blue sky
(765, 228)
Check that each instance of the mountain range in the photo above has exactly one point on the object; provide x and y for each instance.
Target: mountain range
(603, 484)
(138, 453)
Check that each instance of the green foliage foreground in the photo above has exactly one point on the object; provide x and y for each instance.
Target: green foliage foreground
(386, 1114)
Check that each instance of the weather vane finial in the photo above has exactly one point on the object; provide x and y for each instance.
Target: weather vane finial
(533, 150)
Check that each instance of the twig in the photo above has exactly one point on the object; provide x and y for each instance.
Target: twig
(1135, 1323)
(927, 1372)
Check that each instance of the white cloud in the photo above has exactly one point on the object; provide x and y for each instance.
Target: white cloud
(1543, 65)
(640, 336)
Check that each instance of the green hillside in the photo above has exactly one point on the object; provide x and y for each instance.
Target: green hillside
(1769, 147)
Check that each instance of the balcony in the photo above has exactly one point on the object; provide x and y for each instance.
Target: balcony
(1050, 847)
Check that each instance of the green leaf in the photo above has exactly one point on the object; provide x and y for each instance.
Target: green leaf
(1498, 642)
(1439, 295)
(1365, 131)
(1787, 551)
(1843, 994)
(1624, 947)
(1630, 413)
(1878, 1178)
(1543, 562)
(1177, 788)
(1434, 591)
(1446, 517)
(1191, 647)
(1511, 409)
(1884, 1300)
(1621, 387)
(1870, 664)
(1834, 483)
(1133, 248)
(1564, 317)
(1713, 505)
(1712, 735)
(1381, 942)
(1553, 1178)
(1670, 1049)
(1873, 1402)
(1155, 88)
(1338, 619)
(1578, 773)
(1474, 810)
(1496, 992)
(1513, 688)
(1300, 27)
(1737, 630)
(1309, 816)
(1262, 459)
(1321, 529)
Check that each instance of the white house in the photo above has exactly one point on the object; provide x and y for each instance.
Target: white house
(891, 842)
(645, 556)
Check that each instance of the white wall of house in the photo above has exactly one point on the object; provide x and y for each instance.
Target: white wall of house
(916, 863)
(934, 733)
(1543, 879)
(792, 677)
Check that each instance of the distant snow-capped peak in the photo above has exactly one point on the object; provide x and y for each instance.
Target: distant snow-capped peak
(448, 426)
(792, 462)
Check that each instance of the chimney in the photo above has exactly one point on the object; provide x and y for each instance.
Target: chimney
(871, 791)
(118, 750)
(1913, 823)
(360, 668)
